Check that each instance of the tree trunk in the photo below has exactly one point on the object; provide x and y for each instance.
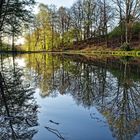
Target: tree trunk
(4, 14)
(0, 43)
(52, 37)
(13, 42)
(126, 32)
(126, 21)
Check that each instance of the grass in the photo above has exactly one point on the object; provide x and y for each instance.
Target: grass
(106, 52)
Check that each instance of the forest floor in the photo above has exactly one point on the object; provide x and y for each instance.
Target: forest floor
(91, 48)
(97, 44)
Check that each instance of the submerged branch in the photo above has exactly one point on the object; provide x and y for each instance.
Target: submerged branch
(56, 132)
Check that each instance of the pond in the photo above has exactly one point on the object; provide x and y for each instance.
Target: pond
(69, 97)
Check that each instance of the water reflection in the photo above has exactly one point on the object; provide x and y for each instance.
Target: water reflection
(111, 85)
(18, 108)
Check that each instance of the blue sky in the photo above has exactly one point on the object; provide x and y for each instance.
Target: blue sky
(58, 3)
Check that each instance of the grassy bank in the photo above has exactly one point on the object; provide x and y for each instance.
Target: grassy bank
(111, 53)
(88, 52)
(133, 53)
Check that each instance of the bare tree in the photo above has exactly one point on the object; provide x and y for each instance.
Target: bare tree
(129, 13)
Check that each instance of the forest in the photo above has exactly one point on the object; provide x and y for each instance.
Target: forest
(87, 23)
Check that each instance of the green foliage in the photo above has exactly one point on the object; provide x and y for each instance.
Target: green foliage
(126, 47)
(5, 47)
(16, 14)
(69, 37)
(136, 28)
(117, 32)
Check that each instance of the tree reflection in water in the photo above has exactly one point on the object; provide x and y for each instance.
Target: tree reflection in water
(18, 109)
(123, 113)
(111, 87)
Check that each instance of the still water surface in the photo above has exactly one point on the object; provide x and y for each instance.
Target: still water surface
(71, 97)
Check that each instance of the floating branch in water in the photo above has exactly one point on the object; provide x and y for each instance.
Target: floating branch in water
(56, 132)
(54, 122)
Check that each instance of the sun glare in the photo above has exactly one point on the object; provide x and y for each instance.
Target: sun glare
(20, 41)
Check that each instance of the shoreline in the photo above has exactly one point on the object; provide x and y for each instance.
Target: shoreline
(134, 53)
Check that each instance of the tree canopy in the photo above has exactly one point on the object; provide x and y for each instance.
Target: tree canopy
(14, 15)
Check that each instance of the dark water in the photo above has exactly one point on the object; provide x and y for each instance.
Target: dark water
(71, 97)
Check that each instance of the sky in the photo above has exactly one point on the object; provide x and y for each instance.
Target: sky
(58, 3)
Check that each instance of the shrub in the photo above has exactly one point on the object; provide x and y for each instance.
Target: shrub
(126, 47)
